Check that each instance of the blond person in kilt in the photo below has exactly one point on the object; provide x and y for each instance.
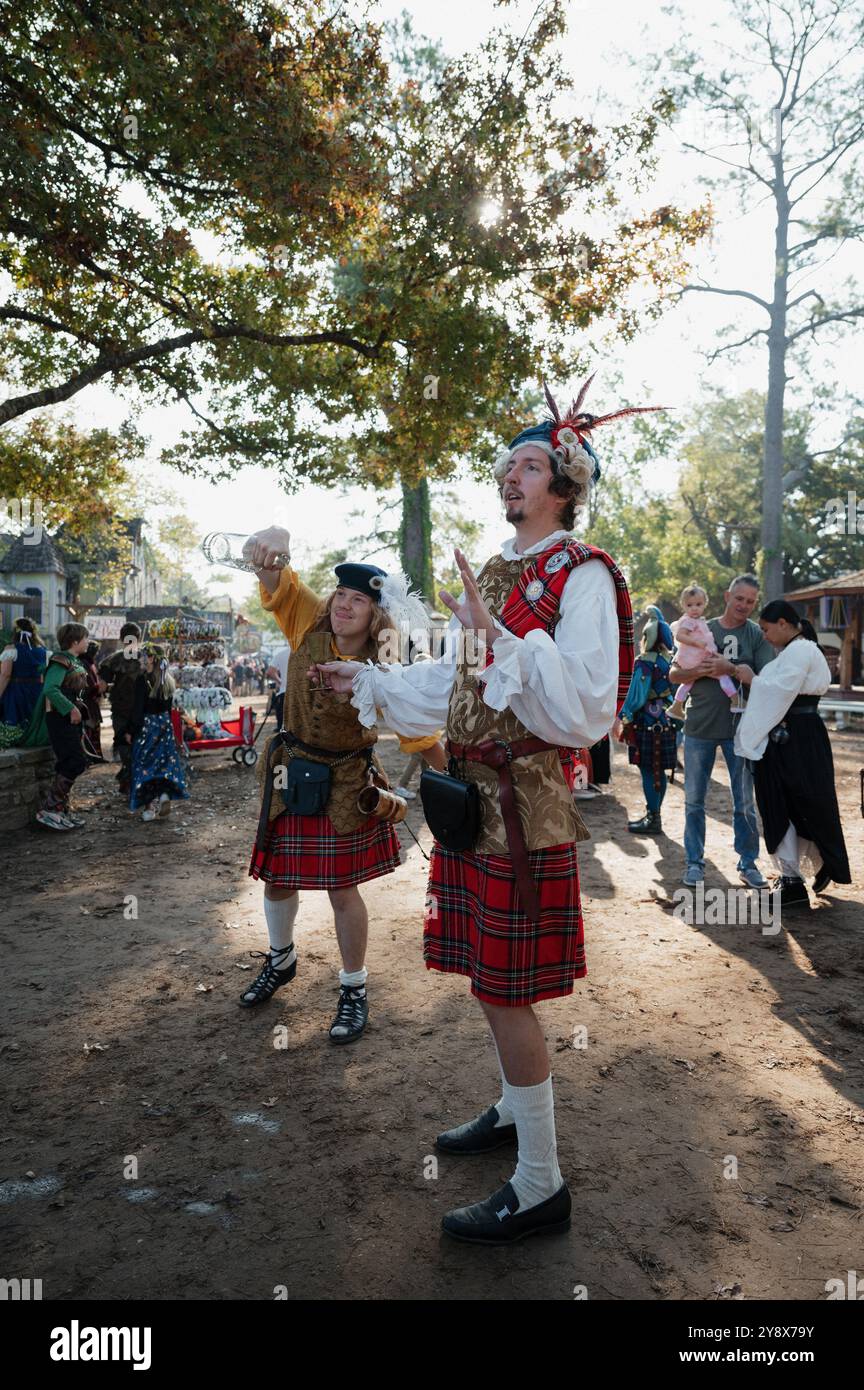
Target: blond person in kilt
(555, 619)
(311, 833)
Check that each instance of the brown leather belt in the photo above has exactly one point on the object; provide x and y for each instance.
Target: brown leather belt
(497, 753)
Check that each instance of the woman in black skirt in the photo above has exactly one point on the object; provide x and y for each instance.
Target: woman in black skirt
(788, 747)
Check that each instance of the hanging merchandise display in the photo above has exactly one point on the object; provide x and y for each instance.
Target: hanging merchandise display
(202, 701)
(204, 704)
(187, 676)
(183, 629)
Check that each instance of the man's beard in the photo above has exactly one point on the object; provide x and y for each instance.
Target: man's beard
(514, 513)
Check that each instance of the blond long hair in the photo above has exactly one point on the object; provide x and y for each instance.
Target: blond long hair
(378, 621)
(162, 685)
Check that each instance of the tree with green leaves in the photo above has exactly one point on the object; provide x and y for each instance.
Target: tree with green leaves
(707, 529)
(172, 177)
(237, 207)
(785, 124)
(79, 485)
(486, 263)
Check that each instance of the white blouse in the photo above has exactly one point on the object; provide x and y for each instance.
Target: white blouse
(799, 669)
(9, 654)
(563, 690)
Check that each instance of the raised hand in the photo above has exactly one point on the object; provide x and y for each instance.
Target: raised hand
(335, 675)
(472, 611)
(268, 550)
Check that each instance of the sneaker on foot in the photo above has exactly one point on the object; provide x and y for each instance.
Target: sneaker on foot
(54, 820)
(693, 874)
(754, 878)
(149, 813)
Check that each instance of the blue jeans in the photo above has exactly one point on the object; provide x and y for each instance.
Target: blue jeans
(699, 755)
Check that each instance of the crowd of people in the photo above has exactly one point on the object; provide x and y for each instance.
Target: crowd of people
(557, 672)
(549, 670)
(248, 675)
(785, 768)
(56, 699)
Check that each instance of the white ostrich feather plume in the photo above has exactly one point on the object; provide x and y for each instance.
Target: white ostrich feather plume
(404, 606)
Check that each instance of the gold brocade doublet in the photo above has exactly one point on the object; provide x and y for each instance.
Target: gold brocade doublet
(323, 719)
(543, 799)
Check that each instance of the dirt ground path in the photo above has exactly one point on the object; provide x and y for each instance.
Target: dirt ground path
(307, 1166)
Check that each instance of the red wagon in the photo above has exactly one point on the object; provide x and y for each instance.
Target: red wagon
(240, 736)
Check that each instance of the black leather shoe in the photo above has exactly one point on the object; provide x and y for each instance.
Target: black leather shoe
(497, 1220)
(793, 892)
(477, 1136)
(821, 881)
(649, 824)
(269, 978)
(352, 1014)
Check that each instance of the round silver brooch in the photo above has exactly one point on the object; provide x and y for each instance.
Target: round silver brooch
(534, 590)
(555, 562)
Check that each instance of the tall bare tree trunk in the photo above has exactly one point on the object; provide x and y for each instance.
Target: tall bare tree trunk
(772, 470)
(415, 537)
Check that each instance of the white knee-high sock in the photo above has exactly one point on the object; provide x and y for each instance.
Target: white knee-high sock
(537, 1175)
(505, 1114)
(280, 914)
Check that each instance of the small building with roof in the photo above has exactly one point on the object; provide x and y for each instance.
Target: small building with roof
(835, 607)
(34, 565)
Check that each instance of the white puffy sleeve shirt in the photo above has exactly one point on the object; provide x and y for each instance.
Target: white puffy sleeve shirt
(799, 669)
(563, 690)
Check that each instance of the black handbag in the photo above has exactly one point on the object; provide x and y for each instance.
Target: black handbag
(307, 786)
(451, 808)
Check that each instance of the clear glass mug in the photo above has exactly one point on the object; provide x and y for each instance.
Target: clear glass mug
(230, 548)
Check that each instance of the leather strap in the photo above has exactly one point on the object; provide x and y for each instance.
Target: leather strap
(339, 756)
(499, 754)
(266, 794)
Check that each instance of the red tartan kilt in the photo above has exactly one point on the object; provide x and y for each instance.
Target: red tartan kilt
(306, 852)
(475, 926)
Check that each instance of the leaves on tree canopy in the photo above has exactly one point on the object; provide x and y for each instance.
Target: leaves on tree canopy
(243, 208)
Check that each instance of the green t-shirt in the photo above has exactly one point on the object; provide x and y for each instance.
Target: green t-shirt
(709, 707)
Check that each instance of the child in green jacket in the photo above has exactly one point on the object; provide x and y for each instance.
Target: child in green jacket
(65, 680)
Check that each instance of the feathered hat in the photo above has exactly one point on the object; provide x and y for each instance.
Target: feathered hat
(564, 437)
(656, 626)
(403, 605)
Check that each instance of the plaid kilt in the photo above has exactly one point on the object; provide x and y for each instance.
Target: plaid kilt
(642, 752)
(306, 852)
(474, 925)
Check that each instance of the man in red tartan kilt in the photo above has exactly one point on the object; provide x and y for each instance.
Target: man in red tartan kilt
(548, 671)
(313, 833)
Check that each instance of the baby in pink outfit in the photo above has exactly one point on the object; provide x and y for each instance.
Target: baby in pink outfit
(694, 641)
